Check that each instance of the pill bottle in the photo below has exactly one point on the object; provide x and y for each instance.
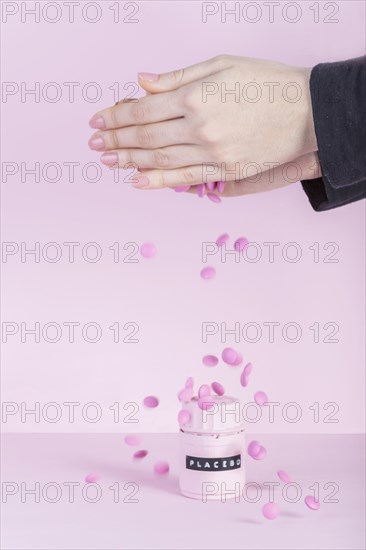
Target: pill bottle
(212, 450)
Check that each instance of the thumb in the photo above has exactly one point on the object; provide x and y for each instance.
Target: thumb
(164, 82)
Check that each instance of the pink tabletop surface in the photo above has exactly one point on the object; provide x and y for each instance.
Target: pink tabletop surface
(161, 518)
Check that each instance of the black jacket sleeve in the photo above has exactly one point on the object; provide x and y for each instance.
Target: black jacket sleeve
(338, 95)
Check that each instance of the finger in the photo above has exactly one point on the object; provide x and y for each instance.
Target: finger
(302, 168)
(149, 136)
(176, 79)
(188, 175)
(145, 110)
(163, 158)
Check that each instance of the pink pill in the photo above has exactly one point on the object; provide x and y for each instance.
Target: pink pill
(204, 390)
(248, 368)
(161, 467)
(151, 401)
(200, 189)
(238, 361)
(147, 250)
(208, 273)
(140, 454)
(210, 360)
(92, 478)
(260, 398)
(220, 186)
(261, 454)
(312, 503)
(132, 440)
(189, 382)
(213, 197)
(270, 510)
(253, 448)
(229, 356)
(283, 476)
(181, 188)
(240, 244)
(218, 388)
(222, 239)
(244, 379)
(183, 417)
(211, 185)
(185, 395)
(205, 403)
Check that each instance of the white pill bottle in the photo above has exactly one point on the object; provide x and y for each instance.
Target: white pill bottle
(212, 450)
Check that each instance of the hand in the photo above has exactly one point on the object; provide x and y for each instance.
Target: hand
(188, 131)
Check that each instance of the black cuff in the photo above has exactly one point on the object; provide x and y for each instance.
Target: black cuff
(323, 197)
(338, 95)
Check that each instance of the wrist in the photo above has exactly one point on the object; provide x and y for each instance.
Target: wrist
(309, 141)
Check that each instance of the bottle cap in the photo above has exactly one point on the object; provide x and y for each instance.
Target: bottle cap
(220, 414)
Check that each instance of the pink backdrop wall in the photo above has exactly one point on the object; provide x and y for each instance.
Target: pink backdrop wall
(165, 296)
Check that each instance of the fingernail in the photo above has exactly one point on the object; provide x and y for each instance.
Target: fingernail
(149, 77)
(141, 181)
(97, 122)
(109, 159)
(96, 143)
(211, 185)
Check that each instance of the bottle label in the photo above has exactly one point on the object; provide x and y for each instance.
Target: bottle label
(213, 464)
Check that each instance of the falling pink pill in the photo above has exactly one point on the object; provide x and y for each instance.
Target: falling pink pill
(229, 356)
(210, 360)
(185, 395)
(248, 368)
(204, 390)
(151, 401)
(244, 379)
(189, 382)
(213, 197)
(147, 250)
(283, 476)
(200, 189)
(260, 398)
(222, 239)
(205, 403)
(261, 454)
(220, 186)
(181, 188)
(270, 510)
(92, 478)
(240, 244)
(218, 388)
(161, 467)
(184, 417)
(253, 448)
(211, 185)
(140, 454)
(208, 273)
(132, 440)
(312, 503)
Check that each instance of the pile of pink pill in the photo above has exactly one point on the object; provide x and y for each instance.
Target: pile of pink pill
(229, 356)
(160, 467)
(205, 189)
(209, 272)
(255, 450)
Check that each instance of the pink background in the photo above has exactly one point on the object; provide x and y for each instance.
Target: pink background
(165, 296)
